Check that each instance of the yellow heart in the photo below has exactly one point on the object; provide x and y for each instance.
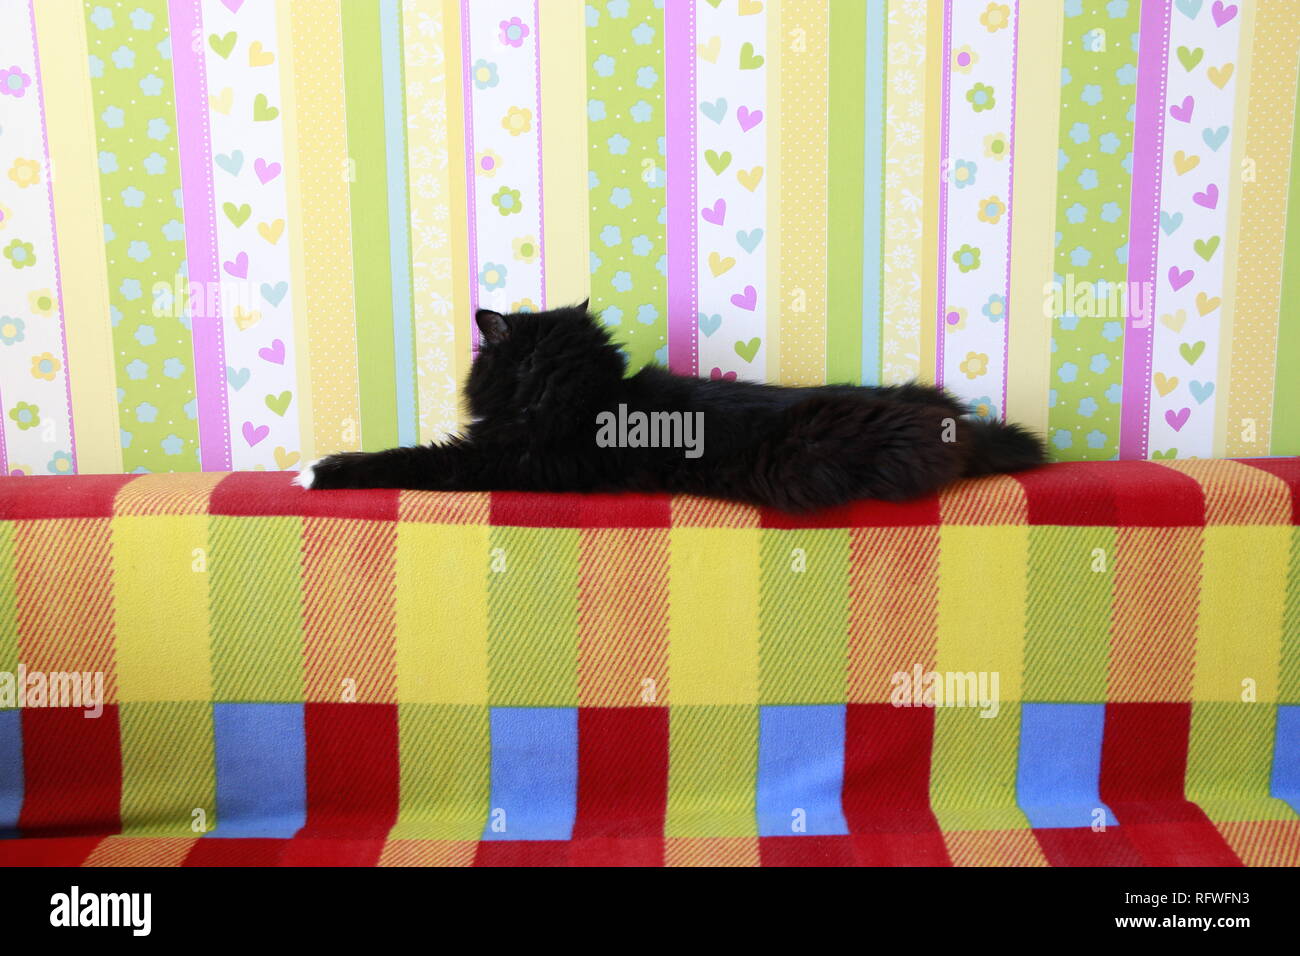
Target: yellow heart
(270, 231)
(750, 178)
(1184, 163)
(223, 100)
(709, 51)
(1220, 75)
(1165, 385)
(1174, 321)
(749, 7)
(719, 265)
(285, 460)
(259, 57)
(245, 319)
(1206, 304)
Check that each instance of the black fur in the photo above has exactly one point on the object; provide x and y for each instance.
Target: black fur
(541, 380)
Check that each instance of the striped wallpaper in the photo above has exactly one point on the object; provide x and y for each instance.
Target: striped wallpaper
(237, 234)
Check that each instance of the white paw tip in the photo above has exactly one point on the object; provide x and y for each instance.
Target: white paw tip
(307, 475)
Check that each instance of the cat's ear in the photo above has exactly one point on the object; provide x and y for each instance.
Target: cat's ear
(494, 326)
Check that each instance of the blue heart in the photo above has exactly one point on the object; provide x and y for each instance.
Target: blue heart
(749, 240)
(232, 162)
(716, 111)
(1190, 8)
(710, 323)
(1201, 391)
(1214, 137)
(237, 379)
(274, 294)
(1170, 223)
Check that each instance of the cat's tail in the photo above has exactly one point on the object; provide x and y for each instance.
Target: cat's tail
(1001, 447)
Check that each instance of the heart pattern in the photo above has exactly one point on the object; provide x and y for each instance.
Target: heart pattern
(252, 220)
(731, 151)
(1197, 206)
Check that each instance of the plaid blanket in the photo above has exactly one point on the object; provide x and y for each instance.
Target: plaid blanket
(1094, 663)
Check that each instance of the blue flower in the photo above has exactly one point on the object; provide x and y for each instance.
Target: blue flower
(641, 112)
(60, 464)
(1108, 142)
(646, 314)
(1115, 394)
(963, 174)
(151, 85)
(492, 276)
(1068, 321)
(1066, 76)
(1088, 179)
(102, 17)
(1096, 439)
(164, 48)
(113, 117)
(618, 144)
(1118, 9)
(646, 77)
(154, 164)
(1080, 133)
(622, 281)
(132, 197)
(643, 34)
(1127, 163)
(172, 445)
(96, 67)
(130, 289)
(1091, 94)
(595, 110)
(1099, 363)
(612, 315)
(642, 246)
(617, 9)
(138, 250)
(1062, 159)
(136, 369)
(1111, 331)
(191, 409)
(592, 179)
(1127, 75)
(995, 309)
(11, 329)
(107, 162)
(604, 65)
(1068, 372)
(484, 75)
(1087, 406)
(661, 265)
(123, 58)
(144, 412)
(611, 235)
(173, 231)
(1121, 254)
(1062, 438)
(158, 129)
(593, 262)
(141, 19)
(1080, 257)
(620, 197)
(1076, 213)
(173, 368)
(1073, 8)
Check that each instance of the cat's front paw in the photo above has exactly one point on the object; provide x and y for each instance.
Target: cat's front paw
(332, 471)
(306, 476)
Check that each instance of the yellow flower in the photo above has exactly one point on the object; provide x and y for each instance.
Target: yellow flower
(487, 163)
(42, 302)
(954, 319)
(991, 210)
(996, 17)
(963, 58)
(25, 172)
(517, 121)
(45, 366)
(525, 248)
(975, 364)
(523, 305)
(997, 146)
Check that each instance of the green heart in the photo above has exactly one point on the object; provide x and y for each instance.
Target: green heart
(714, 3)
(262, 110)
(717, 163)
(1189, 58)
(1191, 352)
(1205, 248)
(749, 60)
(747, 350)
(237, 214)
(222, 45)
(279, 403)
(1164, 455)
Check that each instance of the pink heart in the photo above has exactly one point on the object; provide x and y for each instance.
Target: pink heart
(748, 120)
(1209, 199)
(1179, 279)
(239, 266)
(1183, 112)
(233, 5)
(747, 300)
(274, 353)
(717, 375)
(1222, 14)
(266, 171)
(1177, 419)
(717, 214)
(254, 435)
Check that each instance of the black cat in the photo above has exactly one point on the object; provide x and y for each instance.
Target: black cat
(553, 411)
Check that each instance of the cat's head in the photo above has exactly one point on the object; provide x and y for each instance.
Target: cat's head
(540, 362)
